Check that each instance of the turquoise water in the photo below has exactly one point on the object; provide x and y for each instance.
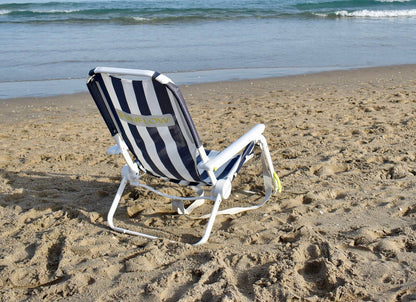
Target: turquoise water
(47, 48)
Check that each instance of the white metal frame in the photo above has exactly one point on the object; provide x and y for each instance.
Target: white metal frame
(221, 188)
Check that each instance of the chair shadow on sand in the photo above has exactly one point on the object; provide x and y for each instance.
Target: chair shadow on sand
(51, 199)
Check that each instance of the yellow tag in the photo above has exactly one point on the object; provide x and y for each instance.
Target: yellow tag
(277, 182)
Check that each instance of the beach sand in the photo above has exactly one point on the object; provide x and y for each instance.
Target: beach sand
(343, 229)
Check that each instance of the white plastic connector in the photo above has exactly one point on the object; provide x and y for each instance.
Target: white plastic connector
(223, 188)
(125, 171)
(114, 150)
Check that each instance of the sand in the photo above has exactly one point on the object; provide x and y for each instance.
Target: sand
(343, 229)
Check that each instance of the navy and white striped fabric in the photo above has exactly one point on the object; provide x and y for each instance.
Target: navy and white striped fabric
(155, 124)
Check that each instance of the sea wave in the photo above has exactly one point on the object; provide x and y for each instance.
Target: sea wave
(148, 12)
(132, 16)
(22, 12)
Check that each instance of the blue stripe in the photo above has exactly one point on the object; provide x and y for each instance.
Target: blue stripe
(99, 101)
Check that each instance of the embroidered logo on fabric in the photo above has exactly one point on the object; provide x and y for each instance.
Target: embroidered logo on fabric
(164, 120)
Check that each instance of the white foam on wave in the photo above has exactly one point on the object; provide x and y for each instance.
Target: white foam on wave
(4, 11)
(56, 11)
(391, 1)
(378, 13)
(141, 19)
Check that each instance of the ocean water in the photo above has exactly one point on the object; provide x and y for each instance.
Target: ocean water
(48, 47)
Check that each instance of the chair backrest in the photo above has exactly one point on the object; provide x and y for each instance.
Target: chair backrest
(149, 112)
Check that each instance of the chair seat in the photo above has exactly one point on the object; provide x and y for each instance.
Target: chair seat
(231, 167)
(223, 171)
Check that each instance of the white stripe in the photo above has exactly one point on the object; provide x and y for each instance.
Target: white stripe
(148, 142)
(163, 79)
(170, 143)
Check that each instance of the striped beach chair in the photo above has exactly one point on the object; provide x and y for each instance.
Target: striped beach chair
(153, 130)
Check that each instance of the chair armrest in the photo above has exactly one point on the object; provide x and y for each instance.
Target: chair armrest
(225, 155)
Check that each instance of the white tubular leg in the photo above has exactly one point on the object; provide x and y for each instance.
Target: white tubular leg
(210, 221)
(194, 205)
(113, 209)
(124, 151)
(115, 203)
(179, 207)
